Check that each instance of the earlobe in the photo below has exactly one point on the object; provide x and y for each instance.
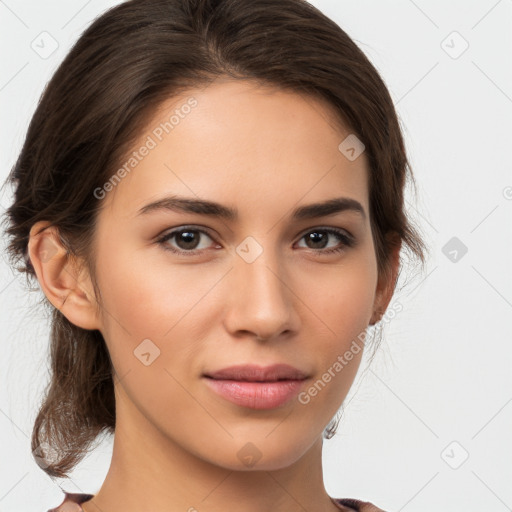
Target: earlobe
(68, 289)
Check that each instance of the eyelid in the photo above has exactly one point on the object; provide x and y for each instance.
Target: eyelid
(341, 231)
(208, 231)
(184, 227)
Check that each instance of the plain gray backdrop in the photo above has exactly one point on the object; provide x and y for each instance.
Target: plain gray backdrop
(429, 426)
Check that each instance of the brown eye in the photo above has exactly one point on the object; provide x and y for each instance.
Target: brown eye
(319, 239)
(186, 240)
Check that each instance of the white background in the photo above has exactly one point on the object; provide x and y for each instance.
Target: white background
(440, 388)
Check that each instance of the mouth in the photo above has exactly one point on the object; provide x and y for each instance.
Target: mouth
(257, 387)
(253, 373)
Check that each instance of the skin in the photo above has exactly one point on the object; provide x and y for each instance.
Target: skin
(264, 152)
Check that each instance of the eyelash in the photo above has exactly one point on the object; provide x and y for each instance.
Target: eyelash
(347, 241)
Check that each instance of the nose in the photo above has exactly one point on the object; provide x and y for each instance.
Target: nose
(261, 299)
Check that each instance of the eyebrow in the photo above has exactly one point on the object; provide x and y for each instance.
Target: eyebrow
(213, 209)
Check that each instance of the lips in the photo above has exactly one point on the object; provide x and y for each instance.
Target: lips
(254, 373)
(257, 387)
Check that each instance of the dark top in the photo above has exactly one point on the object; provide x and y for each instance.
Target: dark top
(72, 502)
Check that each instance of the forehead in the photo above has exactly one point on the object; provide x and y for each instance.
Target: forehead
(239, 141)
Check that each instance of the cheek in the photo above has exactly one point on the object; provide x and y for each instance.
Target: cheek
(171, 305)
(152, 330)
(143, 292)
(343, 305)
(342, 296)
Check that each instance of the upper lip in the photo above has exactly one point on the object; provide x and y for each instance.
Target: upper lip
(254, 373)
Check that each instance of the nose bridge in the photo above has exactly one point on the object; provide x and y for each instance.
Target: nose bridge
(261, 302)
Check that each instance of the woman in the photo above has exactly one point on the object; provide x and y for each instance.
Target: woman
(210, 196)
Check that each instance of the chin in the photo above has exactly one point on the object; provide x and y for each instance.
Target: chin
(262, 452)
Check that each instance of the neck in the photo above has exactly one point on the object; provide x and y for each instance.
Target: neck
(153, 472)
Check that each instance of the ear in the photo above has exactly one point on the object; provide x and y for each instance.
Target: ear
(387, 280)
(69, 290)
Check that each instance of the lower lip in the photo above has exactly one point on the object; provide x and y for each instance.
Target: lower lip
(256, 395)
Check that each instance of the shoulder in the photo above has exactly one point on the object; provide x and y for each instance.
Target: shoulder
(72, 502)
(350, 504)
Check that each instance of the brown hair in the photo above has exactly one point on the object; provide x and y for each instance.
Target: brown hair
(131, 59)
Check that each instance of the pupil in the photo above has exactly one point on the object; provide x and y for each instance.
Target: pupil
(188, 238)
(316, 237)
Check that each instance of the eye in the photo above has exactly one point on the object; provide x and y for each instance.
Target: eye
(187, 240)
(318, 239)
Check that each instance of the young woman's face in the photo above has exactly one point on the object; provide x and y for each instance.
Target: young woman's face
(260, 287)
